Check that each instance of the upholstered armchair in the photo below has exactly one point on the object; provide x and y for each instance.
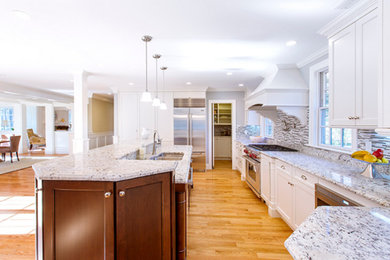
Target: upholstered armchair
(34, 139)
(12, 148)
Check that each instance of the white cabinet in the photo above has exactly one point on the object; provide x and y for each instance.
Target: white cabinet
(284, 192)
(223, 147)
(353, 71)
(295, 193)
(165, 119)
(238, 160)
(384, 68)
(304, 202)
(147, 116)
(266, 166)
(128, 110)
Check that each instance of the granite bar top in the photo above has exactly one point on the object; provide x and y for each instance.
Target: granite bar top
(108, 163)
(342, 233)
(345, 176)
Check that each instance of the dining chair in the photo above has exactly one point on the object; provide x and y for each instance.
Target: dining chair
(12, 148)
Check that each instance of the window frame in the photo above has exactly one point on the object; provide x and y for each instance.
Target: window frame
(315, 111)
(11, 127)
(264, 127)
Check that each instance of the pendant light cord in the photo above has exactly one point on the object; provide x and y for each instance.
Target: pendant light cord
(157, 77)
(146, 62)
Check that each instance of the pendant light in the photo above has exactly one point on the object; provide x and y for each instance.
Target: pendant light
(163, 105)
(156, 100)
(146, 96)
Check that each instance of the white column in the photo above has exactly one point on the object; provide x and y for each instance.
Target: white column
(115, 138)
(20, 126)
(80, 120)
(49, 129)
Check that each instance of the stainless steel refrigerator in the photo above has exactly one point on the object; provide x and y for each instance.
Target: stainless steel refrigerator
(190, 128)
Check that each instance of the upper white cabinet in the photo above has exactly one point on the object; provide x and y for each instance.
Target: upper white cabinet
(384, 68)
(165, 119)
(353, 67)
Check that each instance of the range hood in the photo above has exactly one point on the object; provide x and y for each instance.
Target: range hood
(283, 89)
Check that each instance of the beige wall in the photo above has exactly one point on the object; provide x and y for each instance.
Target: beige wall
(101, 115)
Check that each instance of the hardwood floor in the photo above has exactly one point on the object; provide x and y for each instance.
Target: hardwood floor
(227, 221)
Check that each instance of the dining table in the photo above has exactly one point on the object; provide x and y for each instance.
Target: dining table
(3, 141)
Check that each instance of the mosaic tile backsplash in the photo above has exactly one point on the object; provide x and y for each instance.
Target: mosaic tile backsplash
(289, 131)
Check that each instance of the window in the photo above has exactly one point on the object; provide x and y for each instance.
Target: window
(7, 119)
(334, 137)
(268, 128)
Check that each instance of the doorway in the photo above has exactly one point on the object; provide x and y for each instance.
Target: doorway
(222, 124)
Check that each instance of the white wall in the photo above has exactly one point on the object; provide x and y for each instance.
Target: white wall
(305, 70)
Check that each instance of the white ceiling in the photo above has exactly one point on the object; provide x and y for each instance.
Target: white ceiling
(200, 40)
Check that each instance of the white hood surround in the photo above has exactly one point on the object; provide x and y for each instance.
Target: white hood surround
(283, 89)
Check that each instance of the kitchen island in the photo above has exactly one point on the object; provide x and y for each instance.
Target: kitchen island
(342, 233)
(108, 203)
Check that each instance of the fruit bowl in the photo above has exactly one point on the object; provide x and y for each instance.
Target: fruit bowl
(371, 170)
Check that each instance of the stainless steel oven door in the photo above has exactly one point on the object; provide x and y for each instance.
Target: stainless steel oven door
(252, 174)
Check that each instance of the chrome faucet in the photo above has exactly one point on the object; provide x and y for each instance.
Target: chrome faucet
(155, 143)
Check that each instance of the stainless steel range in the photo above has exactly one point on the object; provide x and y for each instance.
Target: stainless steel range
(253, 163)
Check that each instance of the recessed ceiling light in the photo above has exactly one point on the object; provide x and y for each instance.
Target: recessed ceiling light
(9, 92)
(188, 83)
(240, 85)
(291, 43)
(20, 14)
(131, 83)
(229, 73)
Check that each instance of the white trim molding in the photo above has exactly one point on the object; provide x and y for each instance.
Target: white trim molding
(313, 57)
(348, 17)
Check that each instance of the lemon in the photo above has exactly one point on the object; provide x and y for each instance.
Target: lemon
(384, 160)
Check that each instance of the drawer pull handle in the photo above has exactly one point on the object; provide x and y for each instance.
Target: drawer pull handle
(291, 184)
(122, 193)
(283, 167)
(107, 195)
(304, 177)
(350, 117)
(356, 117)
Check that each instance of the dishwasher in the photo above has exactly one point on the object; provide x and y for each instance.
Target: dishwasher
(327, 197)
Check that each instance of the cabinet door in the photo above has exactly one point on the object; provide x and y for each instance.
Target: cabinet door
(128, 109)
(143, 217)
(165, 119)
(284, 195)
(147, 115)
(78, 220)
(342, 67)
(304, 201)
(367, 61)
(266, 179)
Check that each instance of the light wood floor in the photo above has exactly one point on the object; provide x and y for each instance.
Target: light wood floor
(227, 221)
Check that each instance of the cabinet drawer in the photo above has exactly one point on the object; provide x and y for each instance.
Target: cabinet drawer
(305, 177)
(284, 167)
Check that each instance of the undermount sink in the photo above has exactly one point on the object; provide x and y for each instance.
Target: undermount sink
(168, 156)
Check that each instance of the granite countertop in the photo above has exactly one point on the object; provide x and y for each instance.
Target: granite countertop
(342, 233)
(345, 176)
(108, 164)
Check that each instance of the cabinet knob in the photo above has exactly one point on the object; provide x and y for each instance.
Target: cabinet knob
(304, 177)
(122, 193)
(350, 117)
(291, 184)
(356, 117)
(107, 194)
(283, 167)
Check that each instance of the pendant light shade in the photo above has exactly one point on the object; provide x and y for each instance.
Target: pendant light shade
(156, 100)
(163, 105)
(146, 96)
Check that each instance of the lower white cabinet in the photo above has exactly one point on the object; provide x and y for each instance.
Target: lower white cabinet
(223, 147)
(295, 193)
(304, 201)
(284, 195)
(265, 178)
(238, 160)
